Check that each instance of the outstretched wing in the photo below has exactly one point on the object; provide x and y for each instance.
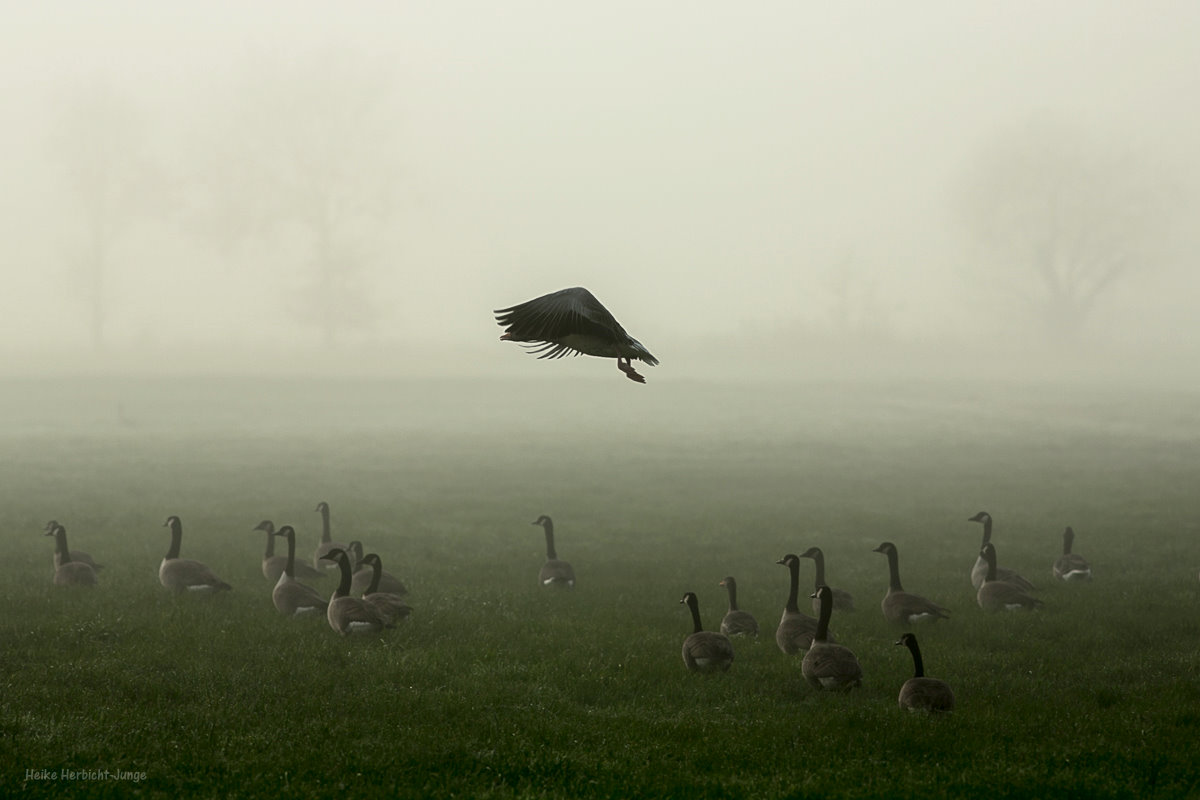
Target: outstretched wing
(548, 319)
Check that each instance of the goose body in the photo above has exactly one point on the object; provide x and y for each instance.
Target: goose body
(795, 631)
(737, 622)
(920, 693)
(704, 651)
(291, 597)
(390, 605)
(997, 595)
(185, 574)
(68, 571)
(842, 600)
(901, 607)
(572, 322)
(828, 666)
(363, 574)
(273, 565)
(1071, 566)
(979, 569)
(348, 614)
(327, 543)
(555, 572)
(76, 555)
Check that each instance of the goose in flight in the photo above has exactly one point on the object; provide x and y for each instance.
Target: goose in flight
(572, 321)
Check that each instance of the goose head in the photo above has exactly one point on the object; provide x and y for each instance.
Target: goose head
(265, 525)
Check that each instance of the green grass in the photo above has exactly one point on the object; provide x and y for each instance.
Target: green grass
(497, 688)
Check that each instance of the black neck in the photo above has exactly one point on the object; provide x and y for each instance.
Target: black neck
(326, 535)
(819, 579)
(60, 541)
(732, 587)
(176, 538)
(918, 664)
(376, 574)
(343, 589)
(822, 633)
(990, 556)
(1068, 537)
(270, 545)
(894, 570)
(694, 605)
(987, 531)
(289, 568)
(794, 592)
(550, 554)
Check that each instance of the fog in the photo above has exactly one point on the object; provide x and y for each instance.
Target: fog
(772, 190)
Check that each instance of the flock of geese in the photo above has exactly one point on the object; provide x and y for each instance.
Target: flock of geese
(368, 599)
(830, 666)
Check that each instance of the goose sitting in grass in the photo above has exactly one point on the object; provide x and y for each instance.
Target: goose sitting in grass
(920, 693)
(828, 666)
(273, 565)
(391, 606)
(571, 322)
(842, 600)
(704, 651)
(997, 595)
(555, 571)
(795, 631)
(901, 607)
(185, 574)
(1071, 566)
(291, 597)
(363, 574)
(979, 569)
(68, 571)
(76, 555)
(737, 622)
(348, 614)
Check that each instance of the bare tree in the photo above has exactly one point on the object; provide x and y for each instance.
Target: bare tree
(98, 143)
(1059, 225)
(306, 164)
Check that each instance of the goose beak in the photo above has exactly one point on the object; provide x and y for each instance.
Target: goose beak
(898, 641)
(780, 561)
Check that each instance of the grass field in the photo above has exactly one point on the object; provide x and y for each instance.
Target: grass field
(497, 688)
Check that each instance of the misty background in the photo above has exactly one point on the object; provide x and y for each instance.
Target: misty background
(779, 189)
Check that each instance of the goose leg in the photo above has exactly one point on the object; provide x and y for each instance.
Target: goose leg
(625, 366)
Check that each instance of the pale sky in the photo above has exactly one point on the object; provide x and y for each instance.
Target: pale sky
(701, 167)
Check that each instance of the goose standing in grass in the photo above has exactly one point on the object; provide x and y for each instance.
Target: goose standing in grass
(571, 322)
(184, 574)
(273, 565)
(704, 651)
(1071, 566)
(363, 574)
(918, 692)
(796, 629)
(68, 571)
(76, 555)
(842, 600)
(980, 567)
(390, 605)
(901, 607)
(291, 597)
(828, 666)
(327, 543)
(554, 572)
(348, 614)
(998, 595)
(737, 622)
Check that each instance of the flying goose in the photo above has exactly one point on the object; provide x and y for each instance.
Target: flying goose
(348, 614)
(1071, 566)
(980, 567)
(184, 574)
(363, 574)
(291, 597)
(842, 600)
(326, 544)
(704, 651)
(572, 321)
(68, 571)
(76, 555)
(998, 595)
(796, 629)
(390, 605)
(899, 606)
(272, 565)
(554, 572)
(737, 622)
(918, 692)
(828, 666)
